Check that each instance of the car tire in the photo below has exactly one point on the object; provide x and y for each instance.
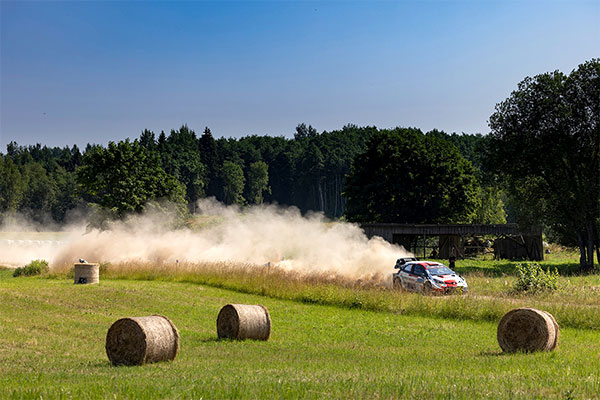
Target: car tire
(397, 285)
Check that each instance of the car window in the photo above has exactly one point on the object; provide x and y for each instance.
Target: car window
(440, 270)
(407, 268)
(418, 270)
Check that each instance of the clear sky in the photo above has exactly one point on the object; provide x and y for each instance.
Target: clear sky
(79, 72)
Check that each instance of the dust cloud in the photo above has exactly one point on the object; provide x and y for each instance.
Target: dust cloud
(265, 235)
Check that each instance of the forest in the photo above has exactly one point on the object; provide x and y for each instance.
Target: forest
(539, 165)
(306, 171)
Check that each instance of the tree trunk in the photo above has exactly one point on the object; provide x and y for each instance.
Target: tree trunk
(590, 245)
(582, 251)
(335, 195)
(320, 193)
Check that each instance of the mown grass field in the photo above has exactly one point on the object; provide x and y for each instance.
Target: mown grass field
(575, 304)
(52, 336)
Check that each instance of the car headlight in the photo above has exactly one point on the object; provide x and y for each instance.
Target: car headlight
(439, 283)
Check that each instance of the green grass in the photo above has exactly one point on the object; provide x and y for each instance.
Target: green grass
(565, 261)
(52, 337)
(574, 305)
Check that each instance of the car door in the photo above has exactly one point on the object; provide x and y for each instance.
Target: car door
(406, 277)
(418, 273)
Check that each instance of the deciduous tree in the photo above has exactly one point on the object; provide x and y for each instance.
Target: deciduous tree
(233, 183)
(258, 182)
(545, 140)
(125, 176)
(407, 177)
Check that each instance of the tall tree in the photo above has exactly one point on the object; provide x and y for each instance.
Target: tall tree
(67, 197)
(490, 206)
(233, 183)
(11, 185)
(181, 159)
(304, 132)
(407, 177)
(310, 175)
(209, 157)
(125, 176)
(258, 182)
(545, 140)
(40, 192)
(148, 140)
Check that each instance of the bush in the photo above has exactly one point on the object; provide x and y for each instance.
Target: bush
(531, 278)
(36, 267)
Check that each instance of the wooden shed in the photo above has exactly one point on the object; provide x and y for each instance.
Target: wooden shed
(510, 242)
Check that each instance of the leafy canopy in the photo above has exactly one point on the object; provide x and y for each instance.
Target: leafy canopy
(233, 183)
(258, 182)
(407, 177)
(125, 176)
(545, 141)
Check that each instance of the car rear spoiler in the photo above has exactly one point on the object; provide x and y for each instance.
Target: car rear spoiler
(401, 261)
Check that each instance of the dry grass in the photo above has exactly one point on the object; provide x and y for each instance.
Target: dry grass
(184, 271)
(571, 309)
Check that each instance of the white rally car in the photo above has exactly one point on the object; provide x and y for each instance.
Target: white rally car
(427, 277)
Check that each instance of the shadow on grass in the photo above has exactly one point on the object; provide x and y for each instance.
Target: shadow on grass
(228, 340)
(498, 353)
(214, 340)
(98, 364)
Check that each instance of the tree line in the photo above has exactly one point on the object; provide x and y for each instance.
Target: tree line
(307, 171)
(540, 165)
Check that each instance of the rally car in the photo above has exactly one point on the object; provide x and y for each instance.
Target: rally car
(427, 277)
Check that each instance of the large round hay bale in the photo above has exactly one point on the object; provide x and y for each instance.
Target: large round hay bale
(142, 340)
(242, 321)
(556, 329)
(527, 329)
(86, 273)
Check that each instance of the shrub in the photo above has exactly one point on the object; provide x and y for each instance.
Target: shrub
(36, 267)
(531, 278)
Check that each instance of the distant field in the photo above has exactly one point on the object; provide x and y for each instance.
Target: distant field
(33, 235)
(52, 337)
(20, 248)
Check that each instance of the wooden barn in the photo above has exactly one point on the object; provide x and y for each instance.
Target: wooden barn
(509, 242)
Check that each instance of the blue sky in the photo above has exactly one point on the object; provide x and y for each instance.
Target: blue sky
(79, 72)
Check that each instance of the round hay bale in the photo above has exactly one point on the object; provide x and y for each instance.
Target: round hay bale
(556, 329)
(527, 329)
(86, 273)
(242, 321)
(142, 340)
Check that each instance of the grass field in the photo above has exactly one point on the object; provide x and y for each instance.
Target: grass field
(52, 336)
(574, 305)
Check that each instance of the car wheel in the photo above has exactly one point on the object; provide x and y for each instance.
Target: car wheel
(397, 284)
